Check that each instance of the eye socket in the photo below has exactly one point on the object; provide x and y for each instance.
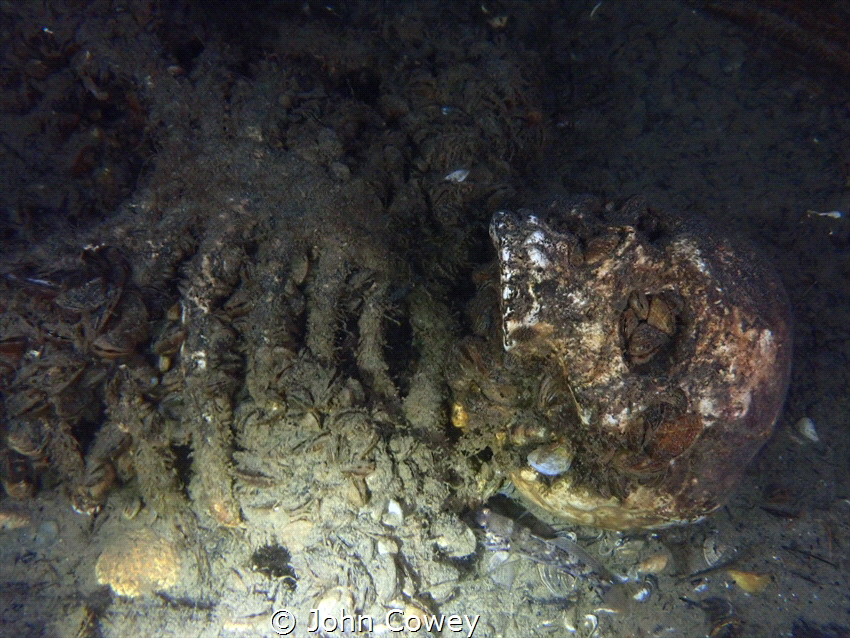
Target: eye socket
(649, 325)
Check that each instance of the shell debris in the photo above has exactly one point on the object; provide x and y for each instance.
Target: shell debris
(806, 428)
(713, 551)
(10, 519)
(750, 582)
(457, 176)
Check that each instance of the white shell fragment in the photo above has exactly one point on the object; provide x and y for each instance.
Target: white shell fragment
(643, 593)
(393, 517)
(806, 428)
(591, 623)
(834, 214)
(457, 176)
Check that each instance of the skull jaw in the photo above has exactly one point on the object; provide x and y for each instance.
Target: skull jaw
(644, 508)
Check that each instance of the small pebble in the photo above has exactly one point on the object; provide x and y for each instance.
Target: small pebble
(653, 565)
(552, 459)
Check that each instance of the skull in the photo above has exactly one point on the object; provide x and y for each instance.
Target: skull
(675, 349)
